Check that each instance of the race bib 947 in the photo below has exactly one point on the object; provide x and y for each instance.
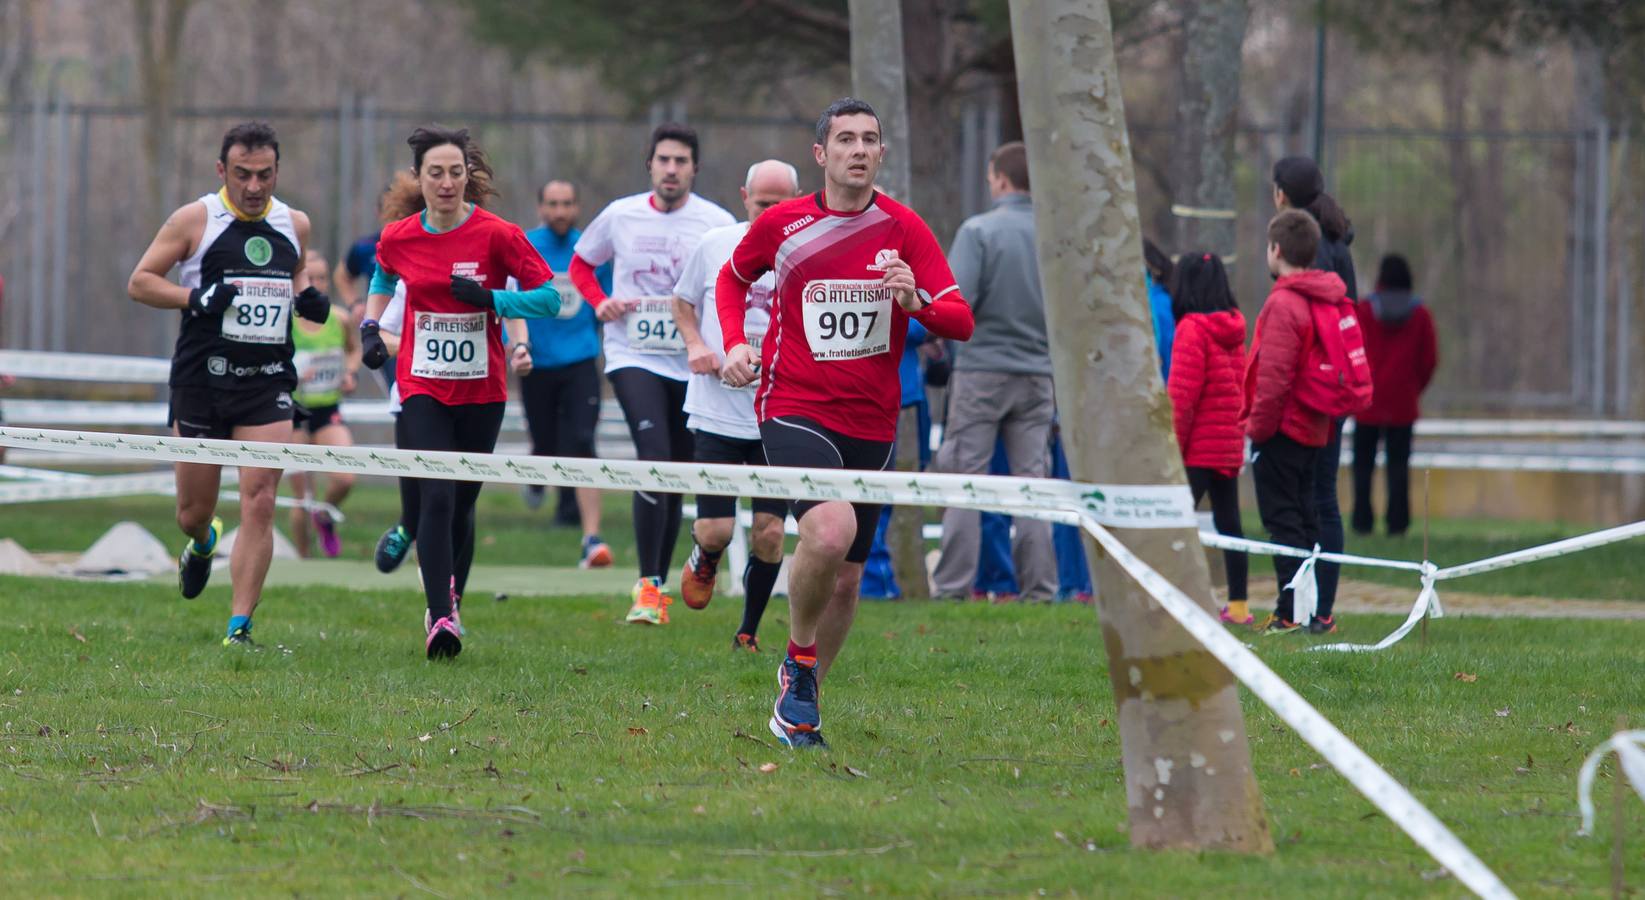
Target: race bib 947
(846, 318)
(651, 327)
(260, 313)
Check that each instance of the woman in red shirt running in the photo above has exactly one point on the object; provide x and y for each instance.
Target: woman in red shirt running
(1207, 389)
(451, 371)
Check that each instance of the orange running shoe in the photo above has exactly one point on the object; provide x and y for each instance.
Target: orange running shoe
(650, 603)
(697, 578)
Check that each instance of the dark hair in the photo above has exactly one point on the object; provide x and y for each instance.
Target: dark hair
(1200, 285)
(1394, 274)
(1158, 264)
(1299, 179)
(250, 135)
(1011, 160)
(673, 131)
(1297, 235)
(405, 195)
(544, 189)
(845, 106)
(1328, 213)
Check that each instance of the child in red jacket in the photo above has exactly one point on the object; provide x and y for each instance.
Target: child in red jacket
(1286, 435)
(1400, 344)
(1207, 364)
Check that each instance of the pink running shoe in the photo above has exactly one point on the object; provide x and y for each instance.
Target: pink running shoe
(1230, 620)
(443, 640)
(329, 544)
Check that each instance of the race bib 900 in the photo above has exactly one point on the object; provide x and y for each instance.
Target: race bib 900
(451, 345)
(651, 327)
(260, 313)
(846, 318)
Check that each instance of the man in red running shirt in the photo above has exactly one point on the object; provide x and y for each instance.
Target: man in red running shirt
(852, 268)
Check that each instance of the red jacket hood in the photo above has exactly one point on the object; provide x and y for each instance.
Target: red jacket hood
(1225, 326)
(1315, 286)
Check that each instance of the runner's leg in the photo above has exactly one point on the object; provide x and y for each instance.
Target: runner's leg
(579, 422)
(338, 484)
(431, 425)
(644, 399)
(679, 450)
(477, 428)
(254, 546)
(197, 487)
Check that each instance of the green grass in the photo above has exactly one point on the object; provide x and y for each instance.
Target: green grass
(564, 752)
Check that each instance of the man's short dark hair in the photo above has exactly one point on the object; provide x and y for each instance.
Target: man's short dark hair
(673, 131)
(1297, 235)
(553, 181)
(1011, 160)
(250, 135)
(845, 106)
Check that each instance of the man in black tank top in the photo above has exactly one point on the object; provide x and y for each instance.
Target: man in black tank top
(241, 279)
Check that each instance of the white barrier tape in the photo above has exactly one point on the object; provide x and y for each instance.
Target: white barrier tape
(85, 367)
(29, 473)
(1264, 548)
(75, 486)
(1629, 747)
(1545, 551)
(1304, 588)
(1582, 428)
(1427, 605)
(1124, 506)
(1528, 462)
(1361, 771)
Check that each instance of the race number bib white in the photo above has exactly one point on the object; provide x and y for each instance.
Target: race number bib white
(322, 372)
(651, 327)
(846, 318)
(571, 299)
(451, 345)
(260, 313)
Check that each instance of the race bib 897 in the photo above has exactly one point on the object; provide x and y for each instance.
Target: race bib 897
(846, 318)
(260, 313)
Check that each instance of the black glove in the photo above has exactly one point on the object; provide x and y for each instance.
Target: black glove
(312, 305)
(212, 299)
(373, 352)
(469, 291)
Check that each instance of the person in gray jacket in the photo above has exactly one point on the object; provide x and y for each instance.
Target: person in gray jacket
(1001, 386)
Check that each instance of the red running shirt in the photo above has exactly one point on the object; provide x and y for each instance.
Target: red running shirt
(836, 335)
(450, 350)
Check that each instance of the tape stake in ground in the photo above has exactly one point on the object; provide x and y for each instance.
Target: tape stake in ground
(1629, 747)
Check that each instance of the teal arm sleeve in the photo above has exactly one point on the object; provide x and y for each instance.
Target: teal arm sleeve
(540, 302)
(383, 282)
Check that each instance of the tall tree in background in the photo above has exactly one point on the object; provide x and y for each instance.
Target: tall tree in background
(1207, 115)
(159, 28)
(1188, 779)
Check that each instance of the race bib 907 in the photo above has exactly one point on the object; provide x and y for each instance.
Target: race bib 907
(451, 345)
(651, 327)
(846, 318)
(260, 313)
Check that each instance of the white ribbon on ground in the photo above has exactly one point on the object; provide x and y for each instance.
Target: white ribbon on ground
(1427, 605)
(1304, 588)
(1629, 747)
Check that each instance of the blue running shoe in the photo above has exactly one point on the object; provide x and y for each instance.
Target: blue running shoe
(794, 717)
(194, 565)
(392, 548)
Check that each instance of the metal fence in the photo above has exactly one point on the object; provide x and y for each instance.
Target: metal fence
(1516, 238)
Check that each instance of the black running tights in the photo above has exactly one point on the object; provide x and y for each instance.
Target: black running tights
(654, 408)
(445, 519)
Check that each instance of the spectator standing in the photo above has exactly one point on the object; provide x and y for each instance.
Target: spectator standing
(1157, 274)
(1298, 184)
(1403, 352)
(1205, 388)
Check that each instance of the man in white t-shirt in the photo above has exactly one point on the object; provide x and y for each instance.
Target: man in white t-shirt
(721, 418)
(647, 237)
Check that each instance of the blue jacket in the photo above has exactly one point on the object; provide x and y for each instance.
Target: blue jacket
(557, 342)
(1165, 324)
(908, 370)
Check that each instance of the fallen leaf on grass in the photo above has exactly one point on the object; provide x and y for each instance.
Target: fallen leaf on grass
(425, 738)
(1296, 773)
(700, 810)
(768, 768)
(1467, 676)
(852, 770)
(1503, 712)
(77, 635)
(634, 730)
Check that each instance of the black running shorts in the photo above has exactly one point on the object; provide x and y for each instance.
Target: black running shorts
(206, 413)
(717, 448)
(798, 442)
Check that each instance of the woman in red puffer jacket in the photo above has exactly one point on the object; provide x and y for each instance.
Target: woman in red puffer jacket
(1206, 387)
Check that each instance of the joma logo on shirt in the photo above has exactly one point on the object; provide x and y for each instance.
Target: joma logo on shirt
(797, 224)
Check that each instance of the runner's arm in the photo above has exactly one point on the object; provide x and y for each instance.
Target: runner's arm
(299, 278)
(541, 302)
(583, 276)
(731, 302)
(343, 280)
(148, 284)
(947, 316)
(351, 356)
(381, 291)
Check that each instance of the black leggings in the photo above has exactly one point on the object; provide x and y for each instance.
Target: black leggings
(445, 519)
(655, 409)
(411, 507)
(1225, 515)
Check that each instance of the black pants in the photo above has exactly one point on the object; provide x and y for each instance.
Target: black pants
(562, 411)
(445, 520)
(1284, 474)
(1329, 515)
(798, 442)
(411, 509)
(1225, 515)
(1398, 441)
(655, 409)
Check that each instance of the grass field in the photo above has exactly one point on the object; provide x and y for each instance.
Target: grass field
(974, 746)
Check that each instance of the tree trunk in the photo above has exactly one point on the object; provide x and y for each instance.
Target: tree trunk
(159, 27)
(1207, 114)
(877, 76)
(1188, 779)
